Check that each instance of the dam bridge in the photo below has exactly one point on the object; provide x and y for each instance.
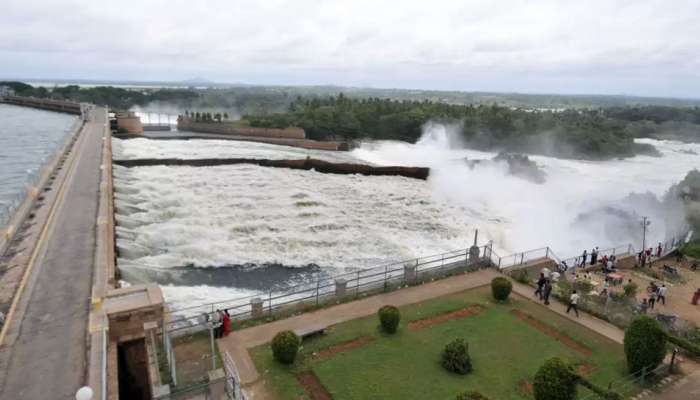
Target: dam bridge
(68, 325)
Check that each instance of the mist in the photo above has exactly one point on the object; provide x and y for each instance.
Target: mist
(580, 204)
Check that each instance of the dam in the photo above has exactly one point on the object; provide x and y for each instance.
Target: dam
(206, 233)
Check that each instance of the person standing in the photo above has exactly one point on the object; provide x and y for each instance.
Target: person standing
(662, 294)
(547, 291)
(644, 306)
(573, 303)
(217, 323)
(540, 286)
(606, 287)
(652, 299)
(594, 257)
(584, 256)
(226, 323)
(658, 251)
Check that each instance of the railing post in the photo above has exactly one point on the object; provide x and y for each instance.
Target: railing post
(318, 282)
(522, 258)
(499, 262)
(386, 272)
(546, 255)
(269, 303)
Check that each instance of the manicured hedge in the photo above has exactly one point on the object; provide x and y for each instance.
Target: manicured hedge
(285, 346)
(555, 380)
(645, 344)
(455, 357)
(389, 318)
(501, 288)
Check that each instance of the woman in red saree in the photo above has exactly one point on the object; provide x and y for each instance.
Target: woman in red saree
(227, 323)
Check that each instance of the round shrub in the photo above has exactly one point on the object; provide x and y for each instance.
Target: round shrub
(471, 395)
(630, 289)
(645, 344)
(285, 346)
(555, 380)
(389, 317)
(455, 357)
(501, 288)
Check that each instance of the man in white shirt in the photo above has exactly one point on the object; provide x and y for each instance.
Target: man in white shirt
(573, 303)
(661, 294)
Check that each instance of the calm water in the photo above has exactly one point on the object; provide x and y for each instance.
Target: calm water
(28, 137)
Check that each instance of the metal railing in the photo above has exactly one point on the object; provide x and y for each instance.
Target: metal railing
(356, 283)
(633, 384)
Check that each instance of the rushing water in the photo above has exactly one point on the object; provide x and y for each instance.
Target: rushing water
(28, 137)
(212, 233)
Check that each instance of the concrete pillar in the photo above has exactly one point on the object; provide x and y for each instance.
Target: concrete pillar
(256, 307)
(409, 273)
(217, 384)
(341, 286)
(473, 254)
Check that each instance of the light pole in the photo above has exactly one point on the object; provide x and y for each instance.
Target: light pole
(645, 224)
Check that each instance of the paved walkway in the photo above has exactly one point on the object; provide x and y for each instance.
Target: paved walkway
(44, 353)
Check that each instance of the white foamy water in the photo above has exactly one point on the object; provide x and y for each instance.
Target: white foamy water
(193, 149)
(243, 214)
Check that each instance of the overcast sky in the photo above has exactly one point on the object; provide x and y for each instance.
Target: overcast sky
(609, 47)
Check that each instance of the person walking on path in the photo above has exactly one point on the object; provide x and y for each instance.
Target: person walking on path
(658, 251)
(661, 294)
(652, 300)
(547, 291)
(594, 257)
(573, 303)
(540, 286)
(584, 256)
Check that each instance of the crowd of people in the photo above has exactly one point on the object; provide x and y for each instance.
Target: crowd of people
(656, 295)
(645, 257)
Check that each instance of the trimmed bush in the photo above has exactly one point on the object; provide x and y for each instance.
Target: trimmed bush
(389, 318)
(471, 395)
(285, 346)
(645, 344)
(555, 380)
(631, 289)
(501, 288)
(455, 357)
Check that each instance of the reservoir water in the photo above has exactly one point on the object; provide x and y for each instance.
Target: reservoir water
(28, 137)
(215, 233)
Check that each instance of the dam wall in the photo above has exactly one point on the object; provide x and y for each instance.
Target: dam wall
(63, 106)
(291, 136)
(228, 128)
(305, 164)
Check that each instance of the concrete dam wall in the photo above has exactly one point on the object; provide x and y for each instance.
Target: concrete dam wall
(306, 164)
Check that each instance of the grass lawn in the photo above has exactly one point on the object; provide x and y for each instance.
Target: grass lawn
(506, 351)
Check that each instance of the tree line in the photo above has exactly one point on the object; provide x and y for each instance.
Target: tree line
(587, 133)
